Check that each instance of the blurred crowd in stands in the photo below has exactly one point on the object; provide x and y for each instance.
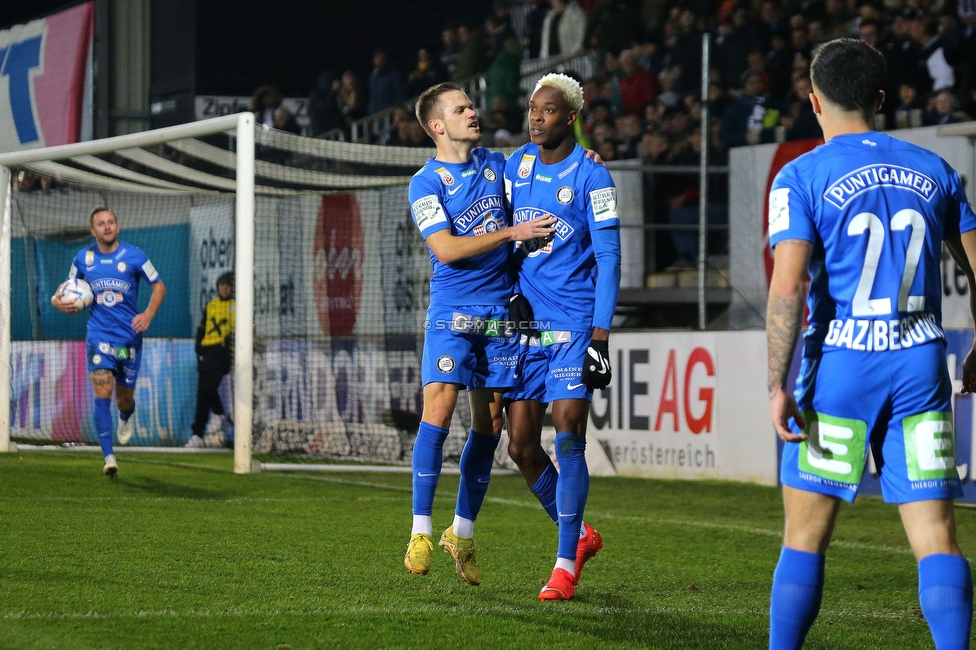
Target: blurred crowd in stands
(646, 102)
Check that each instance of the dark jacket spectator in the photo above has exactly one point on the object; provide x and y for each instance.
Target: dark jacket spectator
(323, 106)
(351, 99)
(932, 71)
(472, 55)
(385, 85)
(801, 123)
(449, 51)
(504, 75)
(533, 26)
(264, 101)
(753, 116)
(427, 73)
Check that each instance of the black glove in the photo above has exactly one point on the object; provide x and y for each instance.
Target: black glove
(596, 366)
(520, 313)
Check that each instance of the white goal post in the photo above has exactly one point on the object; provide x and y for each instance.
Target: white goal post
(243, 125)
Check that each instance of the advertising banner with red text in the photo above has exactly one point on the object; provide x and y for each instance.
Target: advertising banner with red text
(687, 405)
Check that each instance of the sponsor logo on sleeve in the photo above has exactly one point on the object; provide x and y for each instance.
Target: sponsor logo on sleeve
(150, 271)
(604, 203)
(779, 210)
(427, 211)
(525, 165)
(446, 177)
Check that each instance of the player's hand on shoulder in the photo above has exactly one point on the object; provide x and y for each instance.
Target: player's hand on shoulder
(591, 154)
(596, 367)
(540, 227)
(969, 372)
(782, 407)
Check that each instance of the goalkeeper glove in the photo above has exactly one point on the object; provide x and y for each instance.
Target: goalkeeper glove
(596, 366)
(520, 313)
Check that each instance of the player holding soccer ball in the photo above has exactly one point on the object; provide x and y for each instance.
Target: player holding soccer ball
(458, 203)
(867, 215)
(571, 280)
(113, 344)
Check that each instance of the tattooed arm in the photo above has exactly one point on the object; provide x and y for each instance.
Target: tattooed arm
(784, 314)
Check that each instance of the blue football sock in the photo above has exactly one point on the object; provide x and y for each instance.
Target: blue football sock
(124, 415)
(797, 592)
(428, 453)
(103, 424)
(545, 490)
(945, 591)
(476, 461)
(572, 488)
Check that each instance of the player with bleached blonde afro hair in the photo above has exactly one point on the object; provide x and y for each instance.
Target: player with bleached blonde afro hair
(569, 87)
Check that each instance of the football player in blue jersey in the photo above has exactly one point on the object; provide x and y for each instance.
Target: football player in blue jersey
(458, 203)
(866, 215)
(571, 280)
(113, 344)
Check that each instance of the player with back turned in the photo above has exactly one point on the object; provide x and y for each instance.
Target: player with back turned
(113, 343)
(458, 203)
(571, 280)
(866, 215)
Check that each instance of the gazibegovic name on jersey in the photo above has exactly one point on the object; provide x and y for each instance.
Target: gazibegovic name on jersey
(467, 199)
(114, 279)
(558, 274)
(886, 206)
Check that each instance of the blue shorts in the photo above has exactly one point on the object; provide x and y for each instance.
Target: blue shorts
(895, 402)
(469, 346)
(122, 360)
(551, 367)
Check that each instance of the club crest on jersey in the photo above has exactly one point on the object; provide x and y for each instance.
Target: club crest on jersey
(537, 246)
(121, 267)
(445, 363)
(525, 165)
(446, 177)
(489, 174)
(564, 194)
(89, 258)
(492, 223)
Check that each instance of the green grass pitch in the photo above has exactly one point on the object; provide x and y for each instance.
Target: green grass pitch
(181, 553)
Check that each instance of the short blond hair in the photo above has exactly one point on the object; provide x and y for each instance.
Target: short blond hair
(96, 210)
(569, 87)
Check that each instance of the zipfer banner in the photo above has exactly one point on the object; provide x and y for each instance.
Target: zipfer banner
(45, 78)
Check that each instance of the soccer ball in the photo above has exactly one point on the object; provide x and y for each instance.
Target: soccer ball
(76, 292)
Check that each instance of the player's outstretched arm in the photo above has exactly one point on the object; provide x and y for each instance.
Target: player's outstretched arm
(141, 322)
(963, 250)
(784, 313)
(448, 248)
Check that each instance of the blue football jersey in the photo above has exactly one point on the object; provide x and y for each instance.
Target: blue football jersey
(467, 199)
(558, 274)
(876, 209)
(114, 279)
